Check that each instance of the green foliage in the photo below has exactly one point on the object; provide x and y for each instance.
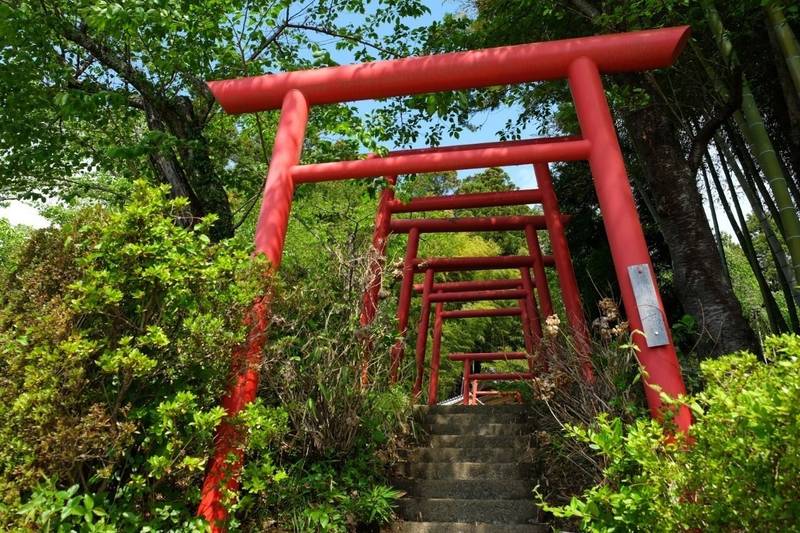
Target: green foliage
(116, 334)
(115, 331)
(12, 239)
(739, 471)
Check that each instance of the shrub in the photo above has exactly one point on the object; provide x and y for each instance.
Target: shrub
(114, 337)
(115, 342)
(740, 472)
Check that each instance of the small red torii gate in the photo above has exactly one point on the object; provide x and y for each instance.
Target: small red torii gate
(581, 61)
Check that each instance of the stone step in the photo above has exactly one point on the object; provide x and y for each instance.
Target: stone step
(466, 470)
(499, 489)
(505, 454)
(476, 418)
(454, 510)
(463, 527)
(479, 441)
(480, 429)
(472, 409)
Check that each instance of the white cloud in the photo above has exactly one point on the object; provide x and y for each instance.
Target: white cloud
(20, 213)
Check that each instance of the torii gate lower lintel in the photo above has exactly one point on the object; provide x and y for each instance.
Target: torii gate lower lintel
(581, 61)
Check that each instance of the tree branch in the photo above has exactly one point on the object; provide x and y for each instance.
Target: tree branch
(713, 123)
(586, 8)
(338, 35)
(110, 59)
(263, 45)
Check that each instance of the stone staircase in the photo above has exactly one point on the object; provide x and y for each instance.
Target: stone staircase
(474, 476)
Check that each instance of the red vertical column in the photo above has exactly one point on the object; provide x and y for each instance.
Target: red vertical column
(539, 274)
(525, 310)
(533, 309)
(406, 287)
(624, 230)
(422, 331)
(369, 302)
(270, 235)
(436, 355)
(526, 325)
(566, 273)
(465, 386)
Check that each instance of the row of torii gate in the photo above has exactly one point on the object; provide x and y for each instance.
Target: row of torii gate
(581, 62)
(530, 309)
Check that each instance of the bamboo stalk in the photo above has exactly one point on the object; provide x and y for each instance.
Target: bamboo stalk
(776, 320)
(785, 274)
(787, 41)
(751, 123)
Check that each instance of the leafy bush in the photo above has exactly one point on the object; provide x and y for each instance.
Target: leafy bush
(114, 334)
(115, 337)
(740, 471)
(12, 239)
(341, 433)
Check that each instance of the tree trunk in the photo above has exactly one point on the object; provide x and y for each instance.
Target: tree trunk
(699, 280)
(751, 173)
(188, 168)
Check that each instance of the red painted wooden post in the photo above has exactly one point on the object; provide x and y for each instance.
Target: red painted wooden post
(482, 313)
(526, 324)
(461, 224)
(566, 274)
(270, 235)
(436, 352)
(624, 230)
(465, 386)
(467, 200)
(369, 302)
(535, 250)
(422, 332)
(473, 285)
(404, 303)
(533, 309)
(465, 158)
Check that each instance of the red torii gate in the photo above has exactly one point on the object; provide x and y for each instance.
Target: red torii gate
(581, 61)
(529, 224)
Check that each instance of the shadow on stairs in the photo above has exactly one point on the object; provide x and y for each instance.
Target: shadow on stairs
(474, 476)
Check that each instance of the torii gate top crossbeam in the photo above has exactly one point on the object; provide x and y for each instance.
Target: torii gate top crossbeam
(460, 70)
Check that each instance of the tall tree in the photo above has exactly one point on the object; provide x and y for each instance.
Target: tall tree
(88, 85)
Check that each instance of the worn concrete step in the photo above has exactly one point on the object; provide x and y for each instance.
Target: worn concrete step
(480, 429)
(472, 409)
(466, 470)
(477, 455)
(463, 527)
(479, 441)
(476, 418)
(454, 510)
(498, 489)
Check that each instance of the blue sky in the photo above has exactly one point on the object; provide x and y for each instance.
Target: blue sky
(487, 123)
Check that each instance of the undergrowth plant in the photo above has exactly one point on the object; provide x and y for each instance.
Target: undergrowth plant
(115, 337)
(739, 471)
